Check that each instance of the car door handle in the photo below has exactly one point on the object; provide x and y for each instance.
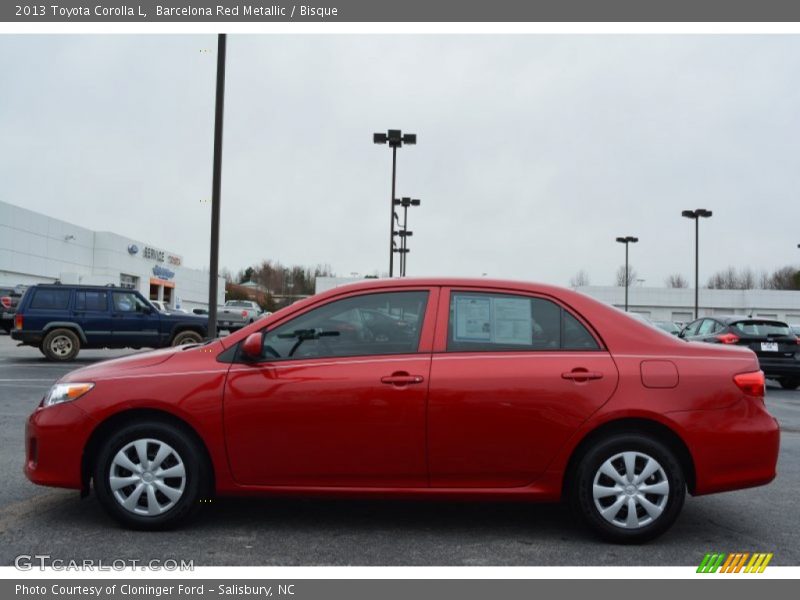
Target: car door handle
(401, 378)
(581, 375)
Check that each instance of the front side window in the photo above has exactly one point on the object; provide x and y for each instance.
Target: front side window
(372, 324)
(128, 302)
(500, 322)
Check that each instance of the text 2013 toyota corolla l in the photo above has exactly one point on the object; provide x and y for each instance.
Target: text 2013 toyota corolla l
(424, 388)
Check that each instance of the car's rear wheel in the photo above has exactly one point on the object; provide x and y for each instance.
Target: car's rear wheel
(187, 337)
(790, 384)
(629, 488)
(150, 475)
(61, 345)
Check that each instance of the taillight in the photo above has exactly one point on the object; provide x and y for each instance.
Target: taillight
(728, 338)
(244, 314)
(18, 321)
(6, 301)
(751, 384)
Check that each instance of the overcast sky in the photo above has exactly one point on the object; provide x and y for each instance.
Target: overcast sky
(534, 152)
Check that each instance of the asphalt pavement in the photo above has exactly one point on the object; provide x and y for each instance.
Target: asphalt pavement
(39, 520)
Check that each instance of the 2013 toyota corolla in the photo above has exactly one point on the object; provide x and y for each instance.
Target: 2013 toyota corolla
(426, 388)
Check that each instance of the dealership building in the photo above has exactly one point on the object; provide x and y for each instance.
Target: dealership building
(35, 248)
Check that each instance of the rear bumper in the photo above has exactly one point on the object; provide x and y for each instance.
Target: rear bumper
(780, 368)
(31, 338)
(54, 441)
(733, 448)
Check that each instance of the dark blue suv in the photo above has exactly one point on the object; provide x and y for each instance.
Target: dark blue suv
(62, 319)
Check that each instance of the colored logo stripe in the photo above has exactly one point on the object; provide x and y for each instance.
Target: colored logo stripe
(735, 562)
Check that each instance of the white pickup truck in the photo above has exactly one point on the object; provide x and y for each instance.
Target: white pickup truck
(235, 314)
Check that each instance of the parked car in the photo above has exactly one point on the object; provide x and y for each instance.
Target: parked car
(160, 306)
(62, 319)
(490, 389)
(235, 314)
(773, 342)
(668, 326)
(9, 298)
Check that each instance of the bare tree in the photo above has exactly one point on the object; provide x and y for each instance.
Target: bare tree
(733, 279)
(785, 278)
(580, 279)
(632, 276)
(676, 280)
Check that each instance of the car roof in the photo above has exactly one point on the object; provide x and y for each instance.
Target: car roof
(61, 286)
(728, 319)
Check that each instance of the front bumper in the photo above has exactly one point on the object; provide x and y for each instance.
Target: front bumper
(733, 448)
(54, 441)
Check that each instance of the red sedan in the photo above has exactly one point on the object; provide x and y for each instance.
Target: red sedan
(425, 388)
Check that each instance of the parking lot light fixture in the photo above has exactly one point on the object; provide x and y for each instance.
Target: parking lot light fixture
(404, 233)
(697, 214)
(396, 139)
(627, 240)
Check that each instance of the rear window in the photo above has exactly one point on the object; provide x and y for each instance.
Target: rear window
(91, 300)
(50, 299)
(761, 328)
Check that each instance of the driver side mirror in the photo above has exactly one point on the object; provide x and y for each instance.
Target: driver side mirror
(252, 346)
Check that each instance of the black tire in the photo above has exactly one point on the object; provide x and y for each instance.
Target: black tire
(61, 345)
(583, 481)
(789, 384)
(186, 337)
(6, 326)
(186, 450)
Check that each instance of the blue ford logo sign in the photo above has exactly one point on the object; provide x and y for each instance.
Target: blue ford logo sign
(133, 249)
(163, 272)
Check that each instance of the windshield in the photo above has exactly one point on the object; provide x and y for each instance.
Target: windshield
(238, 303)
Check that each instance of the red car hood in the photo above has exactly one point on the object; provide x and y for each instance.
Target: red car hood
(124, 364)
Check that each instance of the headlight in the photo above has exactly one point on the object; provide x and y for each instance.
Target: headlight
(66, 392)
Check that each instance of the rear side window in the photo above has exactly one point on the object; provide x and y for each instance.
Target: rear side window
(91, 300)
(50, 299)
(761, 328)
(482, 322)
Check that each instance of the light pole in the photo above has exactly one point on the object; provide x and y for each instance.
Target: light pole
(700, 213)
(213, 268)
(395, 139)
(403, 232)
(627, 240)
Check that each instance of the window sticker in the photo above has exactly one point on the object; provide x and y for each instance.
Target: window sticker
(511, 321)
(473, 319)
(504, 321)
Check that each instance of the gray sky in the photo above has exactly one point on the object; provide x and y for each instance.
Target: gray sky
(534, 152)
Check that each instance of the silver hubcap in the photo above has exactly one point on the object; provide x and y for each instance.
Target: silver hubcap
(630, 490)
(147, 477)
(61, 345)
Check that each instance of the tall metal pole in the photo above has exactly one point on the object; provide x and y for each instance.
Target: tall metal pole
(696, 266)
(391, 213)
(626, 276)
(404, 253)
(215, 191)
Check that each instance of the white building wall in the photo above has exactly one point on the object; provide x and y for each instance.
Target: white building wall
(35, 248)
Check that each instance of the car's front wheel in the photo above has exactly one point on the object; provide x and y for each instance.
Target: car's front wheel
(150, 475)
(790, 384)
(61, 345)
(629, 488)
